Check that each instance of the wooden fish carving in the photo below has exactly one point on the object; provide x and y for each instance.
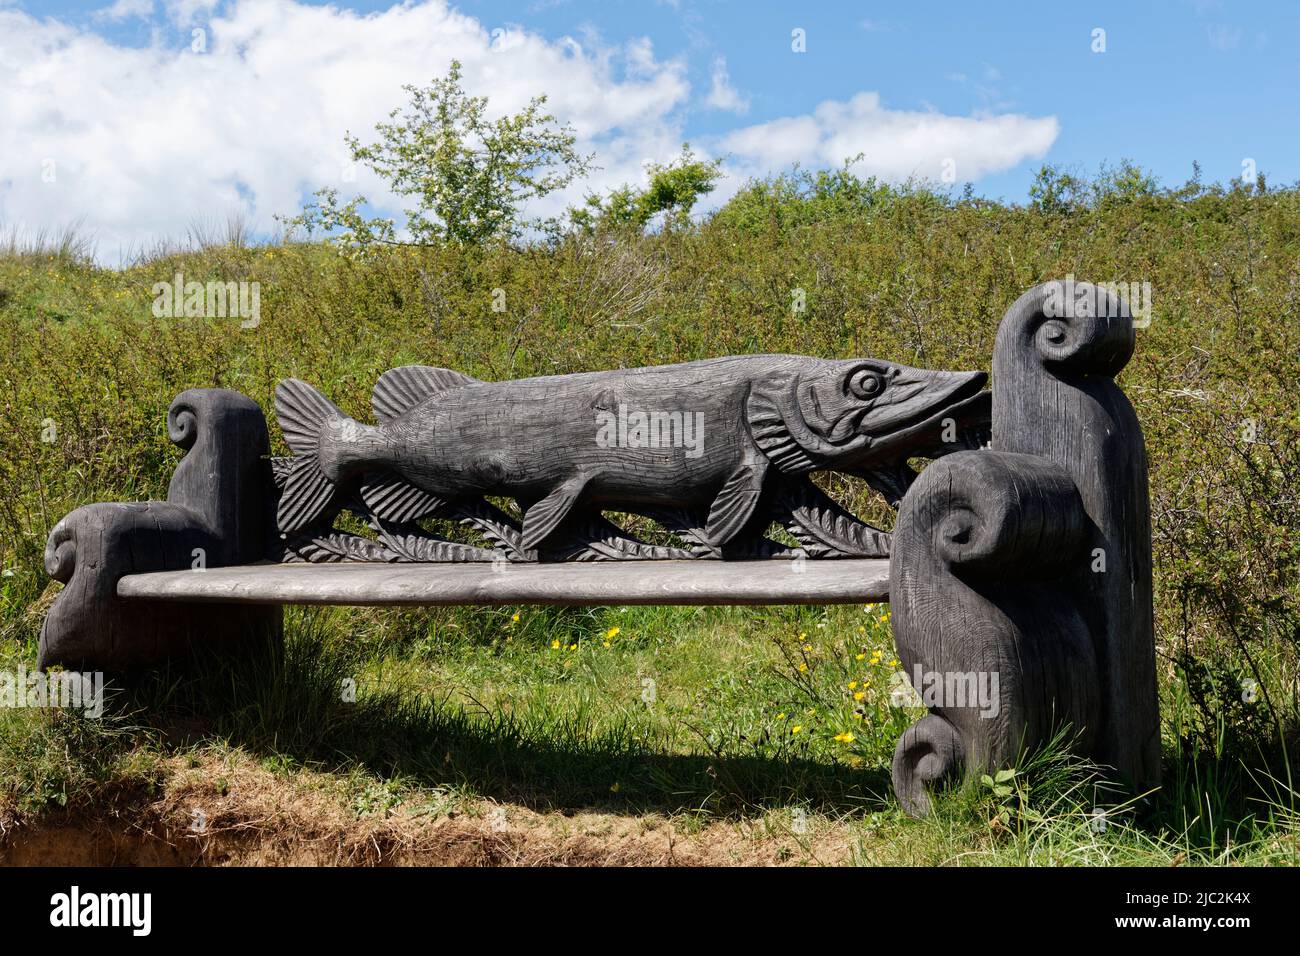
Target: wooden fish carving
(718, 437)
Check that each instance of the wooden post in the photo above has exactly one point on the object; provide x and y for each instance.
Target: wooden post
(1058, 351)
(1033, 560)
(217, 513)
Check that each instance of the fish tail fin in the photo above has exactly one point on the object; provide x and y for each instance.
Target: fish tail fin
(308, 492)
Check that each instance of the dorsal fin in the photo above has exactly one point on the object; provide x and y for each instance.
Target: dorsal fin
(401, 389)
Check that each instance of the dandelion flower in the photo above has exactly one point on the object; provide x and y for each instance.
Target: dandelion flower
(859, 695)
(612, 633)
(796, 728)
(844, 738)
(514, 618)
(852, 684)
(803, 668)
(555, 645)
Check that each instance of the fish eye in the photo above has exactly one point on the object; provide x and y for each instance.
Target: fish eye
(865, 383)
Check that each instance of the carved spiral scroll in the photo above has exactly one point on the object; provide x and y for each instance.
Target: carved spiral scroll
(986, 552)
(61, 553)
(182, 424)
(1069, 326)
(928, 752)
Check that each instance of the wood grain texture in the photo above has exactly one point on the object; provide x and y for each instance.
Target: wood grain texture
(723, 445)
(217, 506)
(984, 549)
(1057, 353)
(1033, 560)
(631, 582)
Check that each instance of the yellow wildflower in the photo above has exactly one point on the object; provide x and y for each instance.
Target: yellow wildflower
(859, 695)
(796, 728)
(555, 645)
(803, 668)
(844, 738)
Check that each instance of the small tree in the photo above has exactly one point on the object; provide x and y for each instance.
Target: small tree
(469, 176)
(674, 189)
(1056, 192)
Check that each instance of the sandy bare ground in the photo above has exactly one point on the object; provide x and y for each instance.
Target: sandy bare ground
(228, 810)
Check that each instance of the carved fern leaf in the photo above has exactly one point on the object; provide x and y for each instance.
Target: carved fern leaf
(825, 529)
(336, 546)
(412, 543)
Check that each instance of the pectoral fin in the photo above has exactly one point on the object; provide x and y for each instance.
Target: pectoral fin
(541, 519)
(736, 501)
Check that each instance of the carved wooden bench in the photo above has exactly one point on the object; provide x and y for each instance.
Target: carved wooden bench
(1026, 557)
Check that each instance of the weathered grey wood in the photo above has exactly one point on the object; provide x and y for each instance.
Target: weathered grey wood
(1058, 350)
(1033, 560)
(1029, 563)
(632, 582)
(985, 550)
(216, 513)
(717, 449)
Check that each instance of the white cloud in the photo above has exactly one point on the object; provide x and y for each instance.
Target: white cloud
(896, 144)
(722, 95)
(141, 142)
(137, 143)
(125, 9)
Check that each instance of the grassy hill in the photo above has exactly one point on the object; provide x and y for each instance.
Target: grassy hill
(493, 735)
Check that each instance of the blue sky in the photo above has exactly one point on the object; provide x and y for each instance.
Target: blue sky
(1001, 88)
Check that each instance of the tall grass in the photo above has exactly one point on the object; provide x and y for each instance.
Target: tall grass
(87, 372)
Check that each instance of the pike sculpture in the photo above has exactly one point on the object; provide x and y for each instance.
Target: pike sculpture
(716, 450)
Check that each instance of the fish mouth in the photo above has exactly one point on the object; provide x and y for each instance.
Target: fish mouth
(965, 405)
(968, 399)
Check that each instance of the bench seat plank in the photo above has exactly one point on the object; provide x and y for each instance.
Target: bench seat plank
(848, 581)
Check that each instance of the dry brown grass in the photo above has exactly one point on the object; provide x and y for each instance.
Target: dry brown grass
(256, 817)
